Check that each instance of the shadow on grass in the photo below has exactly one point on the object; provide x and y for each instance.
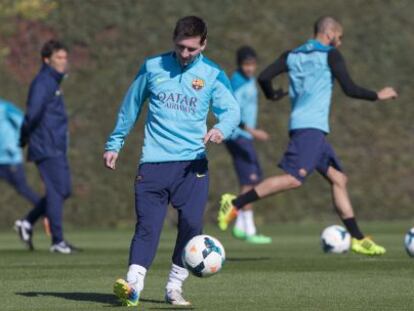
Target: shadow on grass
(109, 299)
(248, 258)
(77, 296)
(173, 308)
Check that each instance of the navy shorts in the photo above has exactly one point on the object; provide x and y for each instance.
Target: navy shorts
(245, 160)
(308, 150)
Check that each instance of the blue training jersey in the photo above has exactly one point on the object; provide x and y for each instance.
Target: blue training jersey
(310, 87)
(179, 101)
(11, 119)
(245, 91)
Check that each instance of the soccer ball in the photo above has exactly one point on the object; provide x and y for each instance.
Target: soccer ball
(335, 239)
(409, 242)
(203, 256)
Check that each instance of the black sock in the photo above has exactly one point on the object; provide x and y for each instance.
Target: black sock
(353, 229)
(245, 198)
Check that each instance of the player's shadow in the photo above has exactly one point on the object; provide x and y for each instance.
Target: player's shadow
(241, 259)
(108, 299)
(77, 296)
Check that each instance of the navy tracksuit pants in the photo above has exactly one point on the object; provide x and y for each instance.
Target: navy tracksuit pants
(15, 175)
(184, 184)
(55, 174)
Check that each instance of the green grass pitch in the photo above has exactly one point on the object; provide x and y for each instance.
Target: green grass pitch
(291, 274)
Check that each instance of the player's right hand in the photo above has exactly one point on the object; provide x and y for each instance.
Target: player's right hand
(387, 93)
(110, 158)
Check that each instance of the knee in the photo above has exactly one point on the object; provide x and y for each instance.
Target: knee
(66, 188)
(293, 182)
(146, 232)
(191, 225)
(21, 188)
(67, 193)
(341, 180)
(64, 191)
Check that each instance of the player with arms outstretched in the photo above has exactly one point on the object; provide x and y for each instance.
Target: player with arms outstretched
(312, 68)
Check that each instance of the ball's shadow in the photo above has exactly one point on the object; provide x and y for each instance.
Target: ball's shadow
(235, 259)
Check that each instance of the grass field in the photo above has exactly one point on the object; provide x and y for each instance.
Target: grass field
(291, 274)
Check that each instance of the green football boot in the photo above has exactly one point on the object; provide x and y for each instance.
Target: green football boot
(258, 239)
(227, 212)
(239, 234)
(367, 246)
(126, 294)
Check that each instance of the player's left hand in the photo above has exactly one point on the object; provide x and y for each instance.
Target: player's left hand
(387, 93)
(214, 135)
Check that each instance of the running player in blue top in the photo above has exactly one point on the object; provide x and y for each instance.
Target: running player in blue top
(312, 68)
(240, 145)
(11, 162)
(180, 86)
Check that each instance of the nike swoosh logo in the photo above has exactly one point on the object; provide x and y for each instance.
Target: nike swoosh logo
(159, 80)
(200, 175)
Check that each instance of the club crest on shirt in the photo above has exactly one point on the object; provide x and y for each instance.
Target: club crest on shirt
(198, 84)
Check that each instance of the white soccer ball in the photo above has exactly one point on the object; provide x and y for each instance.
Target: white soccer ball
(409, 242)
(335, 239)
(203, 256)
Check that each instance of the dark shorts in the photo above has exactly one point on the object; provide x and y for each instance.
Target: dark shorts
(245, 160)
(308, 150)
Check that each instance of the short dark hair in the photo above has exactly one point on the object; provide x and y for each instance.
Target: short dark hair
(50, 47)
(245, 53)
(191, 26)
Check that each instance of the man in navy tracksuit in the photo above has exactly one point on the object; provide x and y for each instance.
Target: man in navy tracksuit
(45, 129)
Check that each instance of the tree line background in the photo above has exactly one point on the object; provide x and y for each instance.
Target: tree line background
(109, 39)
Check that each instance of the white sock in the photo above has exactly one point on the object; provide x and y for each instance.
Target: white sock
(250, 227)
(27, 225)
(176, 278)
(240, 221)
(136, 276)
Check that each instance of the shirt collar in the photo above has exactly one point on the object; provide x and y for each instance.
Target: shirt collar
(52, 72)
(318, 43)
(197, 59)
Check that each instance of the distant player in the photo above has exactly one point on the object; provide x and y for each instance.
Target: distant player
(45, 131)
(312, 68)
(240, 145)
(11, 159)
(180, 86)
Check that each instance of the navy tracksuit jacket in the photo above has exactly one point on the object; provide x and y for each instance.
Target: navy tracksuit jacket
(45, 130)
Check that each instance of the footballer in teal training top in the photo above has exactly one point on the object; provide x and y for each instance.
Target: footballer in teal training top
(180, 87)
